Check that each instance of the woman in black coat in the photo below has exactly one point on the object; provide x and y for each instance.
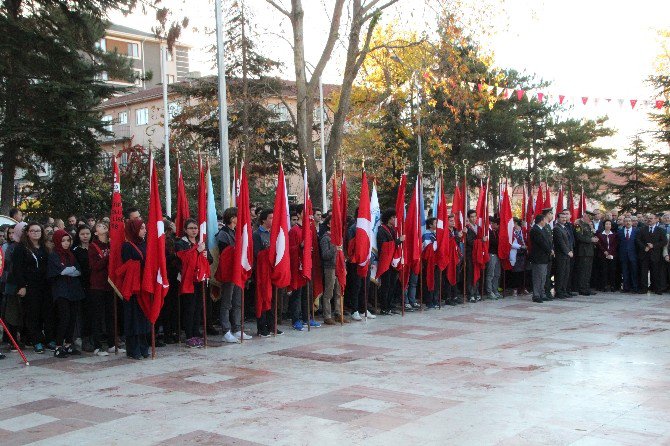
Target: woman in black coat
(135, 323)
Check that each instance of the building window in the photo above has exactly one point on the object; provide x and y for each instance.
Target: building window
(124, 159)
(107, 119)
(102, 76)
(170, 56)
(101, 44)
(170, 79)
(123, 117)
(139, 77)
(281, 113)
(174, 108)
(134, 50)
(142, 116)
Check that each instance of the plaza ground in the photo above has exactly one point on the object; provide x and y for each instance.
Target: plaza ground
(584, 371)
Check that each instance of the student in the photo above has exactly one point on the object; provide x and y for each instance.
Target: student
(135, 323)
(188, 249)
(63, 272)
(12, 310)
(82, 241)
(29, 270)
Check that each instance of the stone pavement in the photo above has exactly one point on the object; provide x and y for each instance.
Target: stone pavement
(583, 371)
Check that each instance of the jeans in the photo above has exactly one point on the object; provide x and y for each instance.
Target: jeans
(297, 305)
(411, 289)
(331, 290)
(231, 307)
(492, 275)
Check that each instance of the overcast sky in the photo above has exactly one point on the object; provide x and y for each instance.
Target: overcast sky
(592, 48)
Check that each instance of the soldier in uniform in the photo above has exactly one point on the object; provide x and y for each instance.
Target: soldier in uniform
(548, 228)
(585, 241)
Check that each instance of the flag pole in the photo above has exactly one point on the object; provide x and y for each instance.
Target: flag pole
(11, 338)
(153, 341)
(203, 284)
(465, 218)
(242, 318)
(309, 300)
(116, 327)
(439, 297)
(365, 285)
(276, 303)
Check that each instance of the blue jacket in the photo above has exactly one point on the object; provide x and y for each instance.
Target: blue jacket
(628, 248)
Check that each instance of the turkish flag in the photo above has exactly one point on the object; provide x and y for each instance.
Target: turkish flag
(443, 257)
(506, 228)
(559, 200)
(547, 196)
(571, 206)
(457, 209)
(582, 204)
(116, 231)
(413, 232)
(539, 201)
(202, 270)
(281, 221)
(154, 278)
(183, 211)
(336, 231)
(398, 260)
(244, 244)
(363, 240)
(307, 237)
(344, 197)
(480, 249)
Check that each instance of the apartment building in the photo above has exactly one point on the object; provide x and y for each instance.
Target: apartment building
(144, 50)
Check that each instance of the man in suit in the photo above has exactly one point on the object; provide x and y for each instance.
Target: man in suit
(540, 256)
(629, 241)
(653, 241)
(585, 241)
(570, 230)
(562, 255)
(548, 228)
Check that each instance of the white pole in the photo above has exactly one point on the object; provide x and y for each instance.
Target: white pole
(224, 154)
(166, 128)
(324, 201)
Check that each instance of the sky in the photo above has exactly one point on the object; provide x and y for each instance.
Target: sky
(593, 48)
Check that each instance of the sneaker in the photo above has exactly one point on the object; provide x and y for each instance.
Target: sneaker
(71, 350)
(87, 345)
(515, 293)
(238, 335)
(313, 323)
(473, 299)
(59, 352)
(279, 332)
(264, 334)
(192, 343)
(201, 342)
(2, 356)
(416, 305)
(229, 338)
(112, 349)
(355, 316)
(99, 352)
(298, 326)
(51, 346)
(370, 315)
(38, 348)
(478, 297)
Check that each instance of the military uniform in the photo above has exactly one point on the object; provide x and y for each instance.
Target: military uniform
(584, 252)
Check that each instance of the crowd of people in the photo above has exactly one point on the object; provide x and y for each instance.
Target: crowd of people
(56, 295)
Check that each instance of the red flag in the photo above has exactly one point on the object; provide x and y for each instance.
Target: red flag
(344, 197)
(363, 239)
(561, 98)
(585, 99)
(539, 201)
(398, 260)
(154, 279)
(519, 94)
(530, 212)
(632, 103)
(506, 229)
(582, 204)
(307, 237)
(540, 97)
(547, 196)
(443, 254)
(457, 209)
(116, 230)
(336, 238)
(202, 270)
(571, 206)
(559, 200)
(183, 211)
(413, 232)
(480, 254)
(660, 103)
(235, 189)
(281, 221)
(244, 243)
(523, 203)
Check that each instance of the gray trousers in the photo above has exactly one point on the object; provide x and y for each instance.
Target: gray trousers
(561, 275)
(492, 275)
(331, 290)
(231, 307)
(539, 274)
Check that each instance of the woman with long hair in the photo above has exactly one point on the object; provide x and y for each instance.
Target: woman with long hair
(135, 323)
(29, 272)
(63, 271)
(82, 241)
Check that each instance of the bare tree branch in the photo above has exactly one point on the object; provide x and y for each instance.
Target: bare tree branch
(279, 8)
(366, 8)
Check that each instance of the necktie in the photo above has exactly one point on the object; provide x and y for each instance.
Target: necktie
(627, 234)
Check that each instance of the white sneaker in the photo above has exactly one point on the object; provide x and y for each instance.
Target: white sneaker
(355, 316)
(111, 350)
(98, 352)
(238, 335)
(229, 338)
(370, 315)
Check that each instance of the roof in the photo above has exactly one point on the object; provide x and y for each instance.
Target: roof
(288, 89)
(132, 32)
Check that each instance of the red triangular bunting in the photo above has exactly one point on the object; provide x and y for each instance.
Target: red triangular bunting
(659, 104)
(540, 97)
(561, 98)
(585, 99)
(632, 103)
(519, 94)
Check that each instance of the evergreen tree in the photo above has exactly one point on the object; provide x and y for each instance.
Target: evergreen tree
(49, 87)
(635, 193)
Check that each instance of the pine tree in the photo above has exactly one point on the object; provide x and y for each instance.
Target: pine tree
(635, 194)
(49, 87)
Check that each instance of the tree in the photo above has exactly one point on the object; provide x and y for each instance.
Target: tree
(362, 22)
(635, 194)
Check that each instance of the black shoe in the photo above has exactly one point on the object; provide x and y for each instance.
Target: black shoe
(70, 350)
(264, 334)
(2, 356)
(547, 298)
(135, 357)
(659, 292)
(573, 293)
(279, 332)
(538, 300)
(87, 345)
(211, 331)
(584, 293)
(60, 353)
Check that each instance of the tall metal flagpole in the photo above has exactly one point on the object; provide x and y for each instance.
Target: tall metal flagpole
(324, 201)
(224, 154)
(166, 128)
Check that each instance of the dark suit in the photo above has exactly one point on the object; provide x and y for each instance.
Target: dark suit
(650, 261)
(561, 260)
(540, 256)
(547, 284)
(628, 248)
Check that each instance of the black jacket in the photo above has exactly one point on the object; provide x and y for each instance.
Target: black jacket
(541, 252)
(29, 268)
(561, 241)
(656, 238)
